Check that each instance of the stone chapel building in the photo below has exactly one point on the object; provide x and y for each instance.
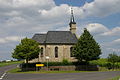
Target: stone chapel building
(57, 44)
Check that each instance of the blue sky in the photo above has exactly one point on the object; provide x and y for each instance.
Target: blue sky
(24, 18)
(110, 21)
(72, 2)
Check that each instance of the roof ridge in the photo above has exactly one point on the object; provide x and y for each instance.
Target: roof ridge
(40, 34)
(58, 31)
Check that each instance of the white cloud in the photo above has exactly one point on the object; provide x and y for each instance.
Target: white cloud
(2, 40)
(56, 13)
(102, 33)
(15, 21)
(114, 50)
(101, 7)
(13, 38)
(26, 3)
(96, 28)
(10, 39)
(113, 32)
(115, 43)
(118, 40)
(12, 13)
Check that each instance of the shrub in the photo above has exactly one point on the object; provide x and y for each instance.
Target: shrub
(104, 63)
(33, 65)
(65, 62)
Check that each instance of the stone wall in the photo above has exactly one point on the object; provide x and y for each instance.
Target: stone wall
(49, 50)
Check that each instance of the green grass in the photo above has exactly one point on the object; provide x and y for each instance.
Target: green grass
(18, 70)
(9, 63)
(115, 78)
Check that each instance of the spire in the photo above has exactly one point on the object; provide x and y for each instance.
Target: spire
(72, 23)
(72, 17)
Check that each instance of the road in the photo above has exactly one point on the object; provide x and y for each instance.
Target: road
(4, 69)
(63, 76)
(58, 76)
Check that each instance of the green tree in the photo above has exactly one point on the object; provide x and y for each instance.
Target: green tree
(87, 48)
(118, 58)
(28, 49)
(113, 58)
(118, 61)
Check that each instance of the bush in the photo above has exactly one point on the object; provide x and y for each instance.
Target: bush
(65, 62)
(29, 65)
(33, 65)
(104, 63)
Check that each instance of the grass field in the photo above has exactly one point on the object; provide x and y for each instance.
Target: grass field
(115, 78)
(9, 63)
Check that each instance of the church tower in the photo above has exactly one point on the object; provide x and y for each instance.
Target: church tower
(72, 23)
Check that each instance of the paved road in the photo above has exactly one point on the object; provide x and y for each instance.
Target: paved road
(64, 76)
(3, 70)
(58, 76)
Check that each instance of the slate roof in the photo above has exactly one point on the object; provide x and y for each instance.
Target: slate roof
(39, 38)
(56, 37)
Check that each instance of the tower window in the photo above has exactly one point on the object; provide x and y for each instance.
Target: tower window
(56, 52)
(71, 54)
(41, 51)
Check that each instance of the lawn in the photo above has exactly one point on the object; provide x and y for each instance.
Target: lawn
(9, 63)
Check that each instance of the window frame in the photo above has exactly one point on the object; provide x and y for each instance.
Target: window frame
(56, 52)
(41, 52)
(71, 54)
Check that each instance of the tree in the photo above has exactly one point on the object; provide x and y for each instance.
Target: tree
(118, 58)
(118, 61)
(113, 58)
(28, 49)
(86, 49)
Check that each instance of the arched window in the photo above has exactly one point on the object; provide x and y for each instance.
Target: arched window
(41, 51)
(71, 54)
(56, 52)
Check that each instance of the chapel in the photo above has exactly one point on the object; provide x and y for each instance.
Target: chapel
(57, 45)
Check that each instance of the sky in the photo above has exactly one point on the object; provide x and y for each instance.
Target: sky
(24, 18)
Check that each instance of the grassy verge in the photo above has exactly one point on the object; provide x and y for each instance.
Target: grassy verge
(106, 69)
(115, 78)
(9, 63)
(18, 70)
